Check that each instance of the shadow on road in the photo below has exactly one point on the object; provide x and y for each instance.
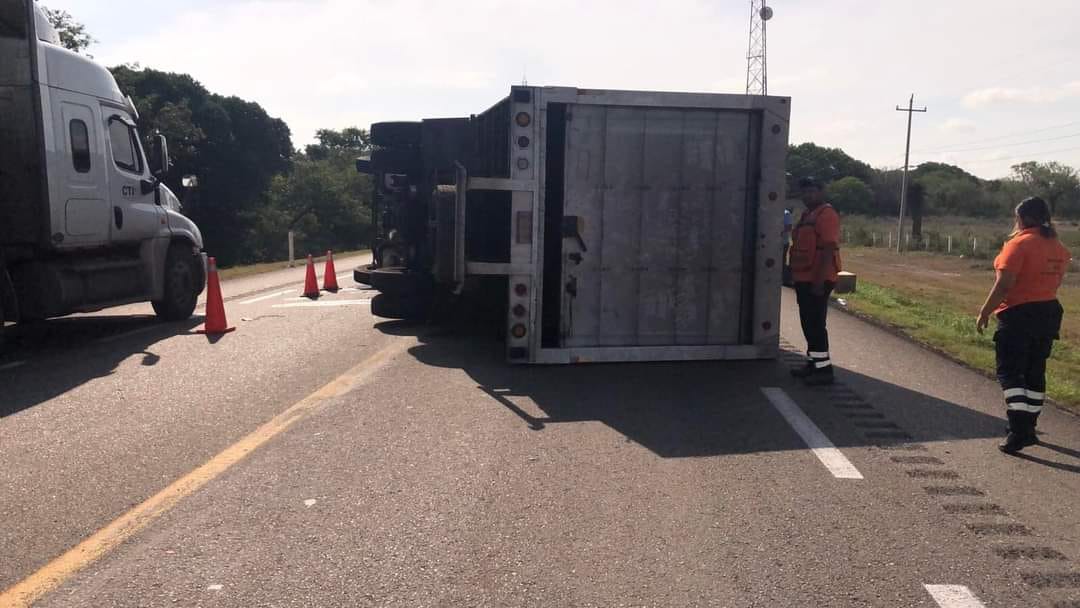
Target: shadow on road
(681, 409)
(68, 352)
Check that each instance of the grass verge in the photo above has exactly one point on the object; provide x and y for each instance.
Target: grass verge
(941, 315)
(235, 272)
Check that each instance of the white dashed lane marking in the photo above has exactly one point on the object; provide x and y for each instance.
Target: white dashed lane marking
(953, 596)
(323, 303)
(267, 296)
(819, 444)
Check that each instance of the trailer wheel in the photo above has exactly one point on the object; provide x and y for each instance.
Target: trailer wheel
(395, 134)
(181, 286)
(390, 255)
(395, 160)
(393, 307)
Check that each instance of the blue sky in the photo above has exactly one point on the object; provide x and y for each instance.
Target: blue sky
(1002, 80)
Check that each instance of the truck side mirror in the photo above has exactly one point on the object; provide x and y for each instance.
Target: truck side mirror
(161, 155)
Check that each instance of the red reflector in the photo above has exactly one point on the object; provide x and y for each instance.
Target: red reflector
(518, 331)
(521, 289)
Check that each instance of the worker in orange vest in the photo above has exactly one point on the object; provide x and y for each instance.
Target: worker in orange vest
(1030, 269)
(815, 266)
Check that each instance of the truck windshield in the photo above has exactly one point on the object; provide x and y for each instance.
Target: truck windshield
(45, 30)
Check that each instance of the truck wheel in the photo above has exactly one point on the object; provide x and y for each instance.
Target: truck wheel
(181, 286)
(395, 134)
(390, 256)
(395, 160)
(392, 307)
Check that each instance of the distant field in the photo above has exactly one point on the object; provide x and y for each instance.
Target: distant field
(935, 299)
(971, 237)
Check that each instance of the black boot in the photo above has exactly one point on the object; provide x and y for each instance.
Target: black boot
(1021, 432)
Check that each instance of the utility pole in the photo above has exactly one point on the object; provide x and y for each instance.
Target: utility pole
(911, 109)
(757, 71)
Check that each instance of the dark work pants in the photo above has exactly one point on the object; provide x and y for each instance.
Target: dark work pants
(813, 310)
(1022, 343)
(1021, 371)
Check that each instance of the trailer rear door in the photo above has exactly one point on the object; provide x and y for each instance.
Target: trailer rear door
(664, 202)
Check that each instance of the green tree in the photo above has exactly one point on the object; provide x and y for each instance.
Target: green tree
(850, 195)
(350, 142)
(233, 145)
(1055, 182)
(322, 198)
(73, 35)
(824, 164)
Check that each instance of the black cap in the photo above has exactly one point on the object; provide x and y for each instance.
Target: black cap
(809, 182)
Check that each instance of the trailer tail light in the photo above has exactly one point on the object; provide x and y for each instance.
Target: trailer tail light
(519, 311)
(523, 119)
(523, 142)
(521, 290)
(518, 331)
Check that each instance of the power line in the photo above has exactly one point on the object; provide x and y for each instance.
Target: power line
(1000, 137)
(1017, 143)
(1044, 153)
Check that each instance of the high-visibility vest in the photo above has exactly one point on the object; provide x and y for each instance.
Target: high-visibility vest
(803, 253)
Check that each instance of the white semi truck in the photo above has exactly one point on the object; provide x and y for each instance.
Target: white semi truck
(85, 222)
(606, 225)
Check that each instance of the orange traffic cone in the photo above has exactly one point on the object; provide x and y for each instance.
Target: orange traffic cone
(329, 274)
(215, 307)
(311, 284)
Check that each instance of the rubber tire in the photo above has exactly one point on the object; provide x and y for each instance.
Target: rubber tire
(396, 283)
(395, 134)
(181, 286)
(395, 160)
(2, 324)
(396, 257)
(362, 274)
(391, 307)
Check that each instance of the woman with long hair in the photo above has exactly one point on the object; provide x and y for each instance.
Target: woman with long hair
(1029, 269)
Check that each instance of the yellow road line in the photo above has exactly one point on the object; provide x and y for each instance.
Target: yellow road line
(56, 572)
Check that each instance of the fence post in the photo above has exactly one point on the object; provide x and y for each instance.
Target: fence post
(950, 243)
(890, 239)
(292, 250)
(873, 239)
(974, 245)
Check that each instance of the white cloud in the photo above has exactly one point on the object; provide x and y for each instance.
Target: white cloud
(334, 63)
(1031, 95)
(957, 125)
(845, 63)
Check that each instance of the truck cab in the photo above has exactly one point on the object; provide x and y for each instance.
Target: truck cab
(85, 221)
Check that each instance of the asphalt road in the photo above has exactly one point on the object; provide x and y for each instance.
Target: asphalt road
(317, 457)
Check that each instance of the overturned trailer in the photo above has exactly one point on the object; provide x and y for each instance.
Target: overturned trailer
(617, 225)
